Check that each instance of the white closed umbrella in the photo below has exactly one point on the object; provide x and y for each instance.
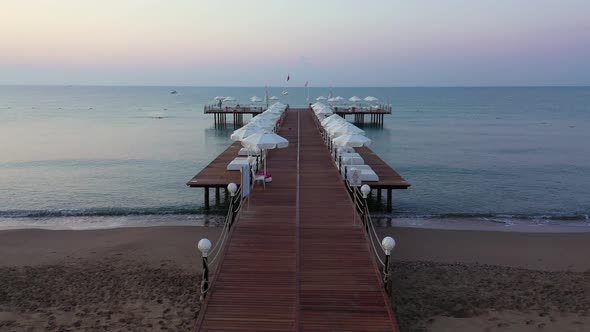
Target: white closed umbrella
(371, 99)
(354, 140)
(265, 141)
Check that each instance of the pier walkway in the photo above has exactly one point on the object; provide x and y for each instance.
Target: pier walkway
(298, 259)
(215, 175)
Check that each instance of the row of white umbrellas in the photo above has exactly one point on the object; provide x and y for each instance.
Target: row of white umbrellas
(258, 134)
(353, 99)
(340, 131)
(254, 99)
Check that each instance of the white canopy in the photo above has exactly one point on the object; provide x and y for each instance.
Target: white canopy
(255, 99)
(354, 140)
(265, 123)
(321, 98)
(229, 98)
(332, 119)
(345, 129)
(219, 98)
(338, 98)
(323, 111)
(354, 99)
(274, 98)
(245, 131)
(370, 99)
(265, 141)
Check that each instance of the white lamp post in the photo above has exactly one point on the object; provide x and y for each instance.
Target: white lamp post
(365, 190)
(387, 244)
(204, 246)
(232, 188)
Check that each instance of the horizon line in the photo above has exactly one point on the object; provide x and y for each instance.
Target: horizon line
(296, 87)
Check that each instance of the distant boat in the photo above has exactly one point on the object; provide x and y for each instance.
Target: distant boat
(173, 92)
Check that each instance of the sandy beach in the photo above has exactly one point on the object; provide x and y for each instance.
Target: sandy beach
(141, 279)
(454, 280)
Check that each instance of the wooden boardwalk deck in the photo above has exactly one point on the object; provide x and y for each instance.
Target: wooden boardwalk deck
(216, 175)
(297, 260)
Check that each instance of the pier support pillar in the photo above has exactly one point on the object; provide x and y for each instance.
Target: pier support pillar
(217, 196)
(206, 198)
(389, 201)
(379, 195)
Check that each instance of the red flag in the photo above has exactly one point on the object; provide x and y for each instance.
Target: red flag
(288, 77)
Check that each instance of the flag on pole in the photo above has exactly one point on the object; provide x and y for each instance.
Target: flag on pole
(288, 77)
(306, 83)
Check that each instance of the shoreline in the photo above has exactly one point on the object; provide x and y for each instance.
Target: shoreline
(84, 223)
(147, 278)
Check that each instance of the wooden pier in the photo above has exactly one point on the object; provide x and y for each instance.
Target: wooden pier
(298, 258)
(215, 175)
(237, 112)
(376, 114)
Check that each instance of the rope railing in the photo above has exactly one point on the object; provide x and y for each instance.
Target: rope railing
(234, 207)
(210, 255)
(362, 208)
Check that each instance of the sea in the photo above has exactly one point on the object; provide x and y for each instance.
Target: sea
(88, 157)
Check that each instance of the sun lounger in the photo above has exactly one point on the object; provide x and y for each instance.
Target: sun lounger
(351, 159)
(367, 173)
(248, 152)
(343, 149)
(238, 162)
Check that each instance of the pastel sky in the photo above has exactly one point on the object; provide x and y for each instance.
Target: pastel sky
(325, 42)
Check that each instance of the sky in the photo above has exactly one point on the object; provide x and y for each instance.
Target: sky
(325, 42)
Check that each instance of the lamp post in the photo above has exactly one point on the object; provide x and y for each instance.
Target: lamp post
(204, 246)
(232, 188)
(387, 244)
(365, 190)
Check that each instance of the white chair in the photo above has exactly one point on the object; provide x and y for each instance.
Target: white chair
(258, 177)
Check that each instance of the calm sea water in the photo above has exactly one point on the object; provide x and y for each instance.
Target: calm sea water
(83, 157)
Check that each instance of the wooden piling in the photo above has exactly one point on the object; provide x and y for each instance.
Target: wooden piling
(206, 198)
(389, 200)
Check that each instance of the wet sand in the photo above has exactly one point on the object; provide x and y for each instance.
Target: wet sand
(142, 279)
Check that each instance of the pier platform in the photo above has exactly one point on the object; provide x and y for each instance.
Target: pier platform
(298, 258)
(237, 112)
(376, 113)
(216, 176)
